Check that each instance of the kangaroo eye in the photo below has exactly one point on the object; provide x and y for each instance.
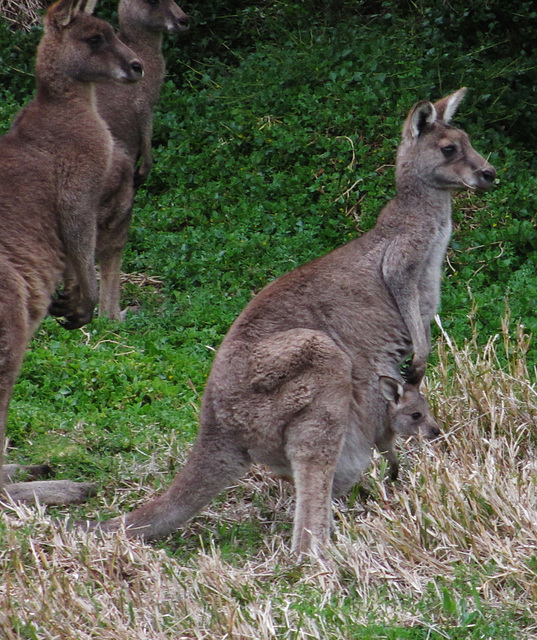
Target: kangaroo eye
(449, 150)
(153, 3)
(95, 41)
(416, 415)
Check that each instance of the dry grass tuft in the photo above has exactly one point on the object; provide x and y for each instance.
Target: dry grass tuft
(142, 280)
(456, 537)
(24, 14)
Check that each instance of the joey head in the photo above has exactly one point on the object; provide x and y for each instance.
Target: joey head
(407, 414)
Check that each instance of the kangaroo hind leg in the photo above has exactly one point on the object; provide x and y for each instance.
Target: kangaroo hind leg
(311, 377)
(114, 221)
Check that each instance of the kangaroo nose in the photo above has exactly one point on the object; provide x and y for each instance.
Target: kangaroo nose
(488, 174)
(183, 22)
(435, 431)
(137, 68)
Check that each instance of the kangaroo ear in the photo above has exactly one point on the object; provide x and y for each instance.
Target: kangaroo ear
(61, 13)
(87, 6)
(391, 389)
(447, 107)
(422, 114)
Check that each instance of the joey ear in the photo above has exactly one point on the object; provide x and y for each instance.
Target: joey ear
(391, 389)
(447, 107)
(422, 114)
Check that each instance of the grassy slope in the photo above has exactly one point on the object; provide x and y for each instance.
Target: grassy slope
(260, 168)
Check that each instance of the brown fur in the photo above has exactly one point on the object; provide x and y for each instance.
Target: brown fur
(52, 162)
(128, 110)
(295, 383)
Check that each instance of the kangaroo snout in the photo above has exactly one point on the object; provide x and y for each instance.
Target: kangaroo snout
(482, 173)
(487, 176)
(183, 24)
(480, 176)
(180, 22)
(135, 71)
(431, 431)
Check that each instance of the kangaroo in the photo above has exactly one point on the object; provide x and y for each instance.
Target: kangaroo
(295, 383)
(128, 110)
(407, 414)
(52, 163)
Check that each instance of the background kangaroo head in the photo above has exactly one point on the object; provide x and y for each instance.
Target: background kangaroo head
(408, 410)
(83, 48)
(437, 153)
(153, 15)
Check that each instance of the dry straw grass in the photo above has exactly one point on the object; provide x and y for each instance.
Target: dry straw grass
(22, 14)
(458, 533)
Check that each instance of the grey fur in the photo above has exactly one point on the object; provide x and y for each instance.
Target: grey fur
(295, 383)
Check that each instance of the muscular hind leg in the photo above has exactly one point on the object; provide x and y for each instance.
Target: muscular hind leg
(312, 379)
(14, 336)
(110, 284)
(313, 445)
(15, 329)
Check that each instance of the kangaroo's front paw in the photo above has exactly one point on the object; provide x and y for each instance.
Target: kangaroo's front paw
(76, 320)
(138, 179)
(61, 305)
(76, 312)
(140, 175)
(414, 372)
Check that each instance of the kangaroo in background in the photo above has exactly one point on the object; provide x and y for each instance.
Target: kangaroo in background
(52, 164)
(295, 383)
(128, 110)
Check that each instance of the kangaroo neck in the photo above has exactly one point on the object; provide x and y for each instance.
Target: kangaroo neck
(413, 193)
(64, 89)
(141, 39)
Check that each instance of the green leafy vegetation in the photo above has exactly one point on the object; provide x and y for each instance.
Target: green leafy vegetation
(274, 142)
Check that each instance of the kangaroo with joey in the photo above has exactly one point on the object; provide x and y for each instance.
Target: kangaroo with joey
(128, 110)
(295, 383)
(405, 413)
(52, 163)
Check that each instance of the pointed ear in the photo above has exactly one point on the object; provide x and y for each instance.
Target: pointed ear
(422, 114)
(447, 107)
(391, 389)
(87, 6)
(60, 14)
